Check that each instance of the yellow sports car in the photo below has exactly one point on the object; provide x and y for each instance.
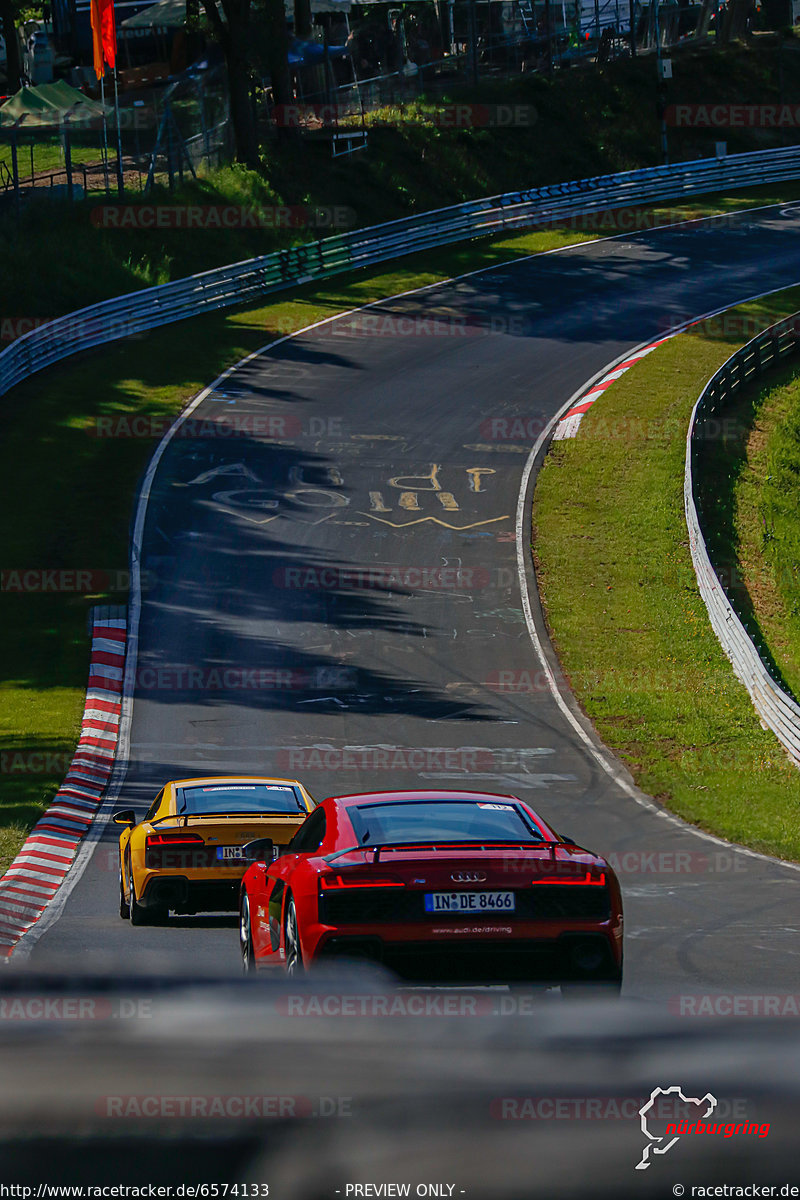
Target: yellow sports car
(185, 855)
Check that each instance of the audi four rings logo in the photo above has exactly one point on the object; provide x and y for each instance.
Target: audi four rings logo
(468, 877)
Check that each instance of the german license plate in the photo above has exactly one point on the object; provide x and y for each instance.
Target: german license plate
(230, 854)
(469, 902)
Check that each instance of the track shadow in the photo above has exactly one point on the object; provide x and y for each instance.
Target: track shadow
(243, 602)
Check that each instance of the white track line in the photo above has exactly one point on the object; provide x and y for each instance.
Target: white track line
(96, 830)
(602, 756)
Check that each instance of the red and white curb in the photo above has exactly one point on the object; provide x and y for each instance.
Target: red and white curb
(36, 874)
(567, 427)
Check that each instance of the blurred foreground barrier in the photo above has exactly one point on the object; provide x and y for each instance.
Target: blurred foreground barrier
(240, 1089)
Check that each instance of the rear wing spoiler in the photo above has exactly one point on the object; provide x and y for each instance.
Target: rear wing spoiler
(477, 843)
(300, 816)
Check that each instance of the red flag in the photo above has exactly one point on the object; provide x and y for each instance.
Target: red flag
(104, 35)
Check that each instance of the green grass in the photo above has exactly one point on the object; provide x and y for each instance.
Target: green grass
(71, 517)
(59, 509)
(48, 152)
(625, 613)
(584, 122)
(779, 505)
(77, 513)
(755, 524)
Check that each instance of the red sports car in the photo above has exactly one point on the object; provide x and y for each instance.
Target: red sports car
(439, 887)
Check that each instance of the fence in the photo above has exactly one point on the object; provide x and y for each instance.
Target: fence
(777, 710)
(256, 277)
(161, 132)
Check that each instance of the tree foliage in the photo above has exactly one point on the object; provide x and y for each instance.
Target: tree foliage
(10, 15)
(240, 29)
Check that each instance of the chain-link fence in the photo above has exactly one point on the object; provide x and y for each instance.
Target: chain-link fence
(159, 135)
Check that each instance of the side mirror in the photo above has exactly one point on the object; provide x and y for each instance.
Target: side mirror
(125, 816)
(261, 850)
(570, 841)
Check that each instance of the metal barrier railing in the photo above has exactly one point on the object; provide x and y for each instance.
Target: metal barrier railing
(150, 308)
(778, 711)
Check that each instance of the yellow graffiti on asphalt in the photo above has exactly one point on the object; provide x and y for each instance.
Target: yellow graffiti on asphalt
(434, 521)
(305, 496)
(413, 487)
(475, 476)
(431, 483)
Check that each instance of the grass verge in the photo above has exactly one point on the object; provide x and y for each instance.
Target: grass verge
(623, 607)
(580, 123)
(59, 511)
(68, 494)
(755, 523)
(768, 519)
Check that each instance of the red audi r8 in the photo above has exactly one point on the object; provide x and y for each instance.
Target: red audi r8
(440, 886)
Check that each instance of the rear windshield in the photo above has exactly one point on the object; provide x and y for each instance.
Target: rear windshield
(441, 820)
(239, 798)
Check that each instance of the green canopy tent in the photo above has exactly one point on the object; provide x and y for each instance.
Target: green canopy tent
(49, 104)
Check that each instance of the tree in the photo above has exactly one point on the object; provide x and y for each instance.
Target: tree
(734, 23)
(276, 58)
(232, 35)
(236, 38)
(9, 13)
(302, 18)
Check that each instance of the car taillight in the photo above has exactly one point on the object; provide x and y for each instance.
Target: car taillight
(172, 840)
(332, 882)
(588, 878)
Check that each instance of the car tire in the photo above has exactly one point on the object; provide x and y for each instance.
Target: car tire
(246, 938)
(291, 941)
(124, 907)
(139, 915)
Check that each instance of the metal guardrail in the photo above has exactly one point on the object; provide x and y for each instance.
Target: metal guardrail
(778, 710)
(139, 311)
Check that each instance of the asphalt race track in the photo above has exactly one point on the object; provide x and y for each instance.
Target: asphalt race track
(372, 444)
